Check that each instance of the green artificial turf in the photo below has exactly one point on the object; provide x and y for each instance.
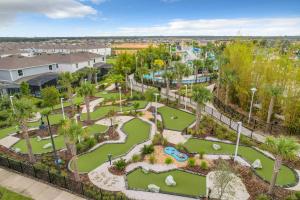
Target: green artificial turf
(181, 121)
(285, 176)
(96, 128)
(76, 100)
(37, 146)
(109, 95)
(186, 183)
(54, 119)
(137, 131)
(9, 195)
(103, 111)
(6, 131)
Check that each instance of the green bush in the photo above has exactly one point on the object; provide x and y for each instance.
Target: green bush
(152, 159)
(147, 149)
(180, 147)
(168, 161)
(157, 139)
(263, 197)
(136, 158)
(191, 162)
(120, 164)
(297, 195)
(203, 165)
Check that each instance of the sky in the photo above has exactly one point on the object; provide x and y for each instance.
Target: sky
(49, 18)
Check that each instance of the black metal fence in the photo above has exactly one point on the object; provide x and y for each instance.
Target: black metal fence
(87, 190)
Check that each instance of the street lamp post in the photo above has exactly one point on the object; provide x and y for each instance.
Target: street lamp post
(52, 141)
(156, 95)
(12, 104)
(120, 99)
(253, 90)
(131, 87)
(185, 99)
(62, 107)
(239, 129)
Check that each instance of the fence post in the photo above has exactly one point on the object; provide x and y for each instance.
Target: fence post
(49, 177)
(21, 167)
(66, 186)
(82, 188)
(34, 172)
(9, 166)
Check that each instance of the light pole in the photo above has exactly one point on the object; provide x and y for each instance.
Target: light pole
(130, 87)
(253, 90)
(120, 99)
(156, 95)
(12, 104)
(85, 81)
(239, 129)
(185, 99)
(62, 107)
(76, 118)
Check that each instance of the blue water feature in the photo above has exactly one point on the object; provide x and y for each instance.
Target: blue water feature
(181, 157)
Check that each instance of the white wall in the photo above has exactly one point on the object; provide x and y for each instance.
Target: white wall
(5, 75)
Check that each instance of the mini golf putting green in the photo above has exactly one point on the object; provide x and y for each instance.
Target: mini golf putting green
(10, 195)
(76, 100)
(37, 146)
(137, 132)
(285, 176)
(6, 131)
(96, 128)
(54, 119)
(175, 119)
(186, 183)
(103, 111)
(109, 95)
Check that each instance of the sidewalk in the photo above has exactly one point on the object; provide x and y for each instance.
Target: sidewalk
(33, 188)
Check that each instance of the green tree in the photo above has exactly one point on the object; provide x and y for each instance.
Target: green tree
(50, 96)
(201, 96)
(169, 76)
(65, 80)
(124, 65)
(274, 92)
(283, 148)
(24, 111)
(87, 90)
(24, 89)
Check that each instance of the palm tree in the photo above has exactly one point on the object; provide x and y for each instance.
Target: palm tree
(141, 71)
(92, 72)
(229, 79)
(283, 148)
(87, 90)
(181, 70)
(24, 110)
(65, 80)
(200, 95)
(124, 64)
(197, 65)
(169, 76)
(72, 132)
(274, 91)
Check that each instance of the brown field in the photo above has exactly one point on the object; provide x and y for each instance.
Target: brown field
(131, 45)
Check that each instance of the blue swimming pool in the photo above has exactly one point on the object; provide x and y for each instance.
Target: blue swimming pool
(181, 157)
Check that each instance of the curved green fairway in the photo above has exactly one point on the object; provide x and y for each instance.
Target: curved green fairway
(186, 183)
(6, 131)
(137, 131)
(96, 128)
(103, 111)
(285, 176)
(37, 146)
(182, 120)
(54, 119)
(10, 195)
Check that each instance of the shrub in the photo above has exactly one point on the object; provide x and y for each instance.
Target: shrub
(168, 161)
(157, 139)
(203, 165)
(136, 158)
(90, 142)
(297, 195)
(201, 154)
(262, 197)
(120, 164)
(152, 159)
(191, 162)
(147, 149)
(180, 146)
(164, 142)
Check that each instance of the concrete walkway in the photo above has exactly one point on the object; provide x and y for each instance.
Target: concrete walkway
(32, 188)
(93, 104)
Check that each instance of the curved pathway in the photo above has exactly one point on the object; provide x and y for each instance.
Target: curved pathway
(93, 104)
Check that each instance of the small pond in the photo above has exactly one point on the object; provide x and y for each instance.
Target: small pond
(181, 157)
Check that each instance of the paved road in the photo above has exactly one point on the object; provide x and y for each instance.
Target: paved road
(33, 188)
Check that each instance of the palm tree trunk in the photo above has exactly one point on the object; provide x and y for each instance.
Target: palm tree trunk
(142, 79)
(28, 144)
(167, 90)
(90, 77)
(126, 82)
(87, 104)
(270, 112)
(198, 116)
(74, 156)
(95, 78)
(196, 72)
(277, 166)
(226, 94)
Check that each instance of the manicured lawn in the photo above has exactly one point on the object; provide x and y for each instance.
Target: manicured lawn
(96, 128)
(186, 183)
(285, 176)
(109, 95)
(54, 119)
(9, 195)
(76, 100)
(37, 146)
(137, 131)
(175, 119)
(103, 111)
(6, 131)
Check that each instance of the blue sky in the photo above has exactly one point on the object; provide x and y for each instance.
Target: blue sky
(148, 17)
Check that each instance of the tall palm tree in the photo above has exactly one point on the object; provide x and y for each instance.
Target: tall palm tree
(72, 132)
(198, 64)
(141, 71)
(283, 148)
(24, 110)
(87, 90)
(200, 95)
(169, 76)
(229, 78)
(65, 80)
(181, 70)
(274, 92)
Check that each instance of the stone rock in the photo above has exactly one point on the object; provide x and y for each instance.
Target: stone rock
(197, 156)
(216, 147)
(47, 146)
(145, 169)
(38, 138)
(153, 188)
(170, 181)
(257, 164)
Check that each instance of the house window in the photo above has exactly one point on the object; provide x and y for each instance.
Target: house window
(76, 65)
(102, 58)
(20, 72)
(57, 66)
(50, 67)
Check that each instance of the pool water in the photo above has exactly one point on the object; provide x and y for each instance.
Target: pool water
(181, 157)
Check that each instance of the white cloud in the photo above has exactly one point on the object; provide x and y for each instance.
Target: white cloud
(215, 27)
(55, 9)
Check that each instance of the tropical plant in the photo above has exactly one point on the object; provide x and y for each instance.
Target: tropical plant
(65, 80)
(24, 110)
(120, 164)
(168, 161)
(200, 95)
(24, 89)
(50, 96)
(147, 149)
(191, 162)
(283, 148)
(87, 90)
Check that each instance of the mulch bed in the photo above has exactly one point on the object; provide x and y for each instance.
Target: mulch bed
(39, 132)
(116, 172)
